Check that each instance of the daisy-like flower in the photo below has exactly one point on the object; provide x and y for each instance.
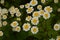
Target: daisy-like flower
(18, 14)
(4, 16)
(28, 18)
(46, 15)
(34, 21)
(34, 30)
(21, 6)
(12, 10)
(58, 38)
(4, 11)
(48, 9)
(52, 39)
(56, 27)
(56, 1)
(43, 1)
(14, 24)
(26, 26)
(27, 5)
(36, 14)
(4, 23)
(29, 10)
(1, 33)
(18, 29)
(41, 12)
(33, 2)
(16, 10)
(39, 7)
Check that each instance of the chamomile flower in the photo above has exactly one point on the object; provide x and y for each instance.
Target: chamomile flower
(29, 10)
(18, 29)
(27, 5)
(4, 23)
(16, 10)
(26, 26)
(21, 6)
(14, 24)
(36, 14)
(34, 21)
(43, 1)
(48, 9)
(12, 10)
(18, 14)
(39, 7)
(33, 2)
(1, 33)
(4, 11)
(41, 12)
(56, 1)
(28, 18)
(34, 30)
(58, 38)
(56, 27)
(46, 15)
(4, 16)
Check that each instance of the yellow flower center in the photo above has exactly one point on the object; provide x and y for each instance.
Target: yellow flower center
(29, 9)
(42, 12)
(26, 26)
(34, 21)
(46, 15)
(34, 30)
(33, 2)
(36, 14)
(56, 27)
(48, 9)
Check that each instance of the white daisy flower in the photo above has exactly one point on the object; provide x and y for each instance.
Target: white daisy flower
(18, 14)
(52, 39)
(46, 15)
(34, 21)
(21, 6)
(29, 10)
(39, 7)
(4, 23)
(14, 24)
(16, 10)
(33, 2)
(41, 12)
(4, 11)
(34, 30)
(26, 26)
(56, 27)
(12, 10)
(27, 5)
(48, 9)
(1, 33)
(58, 38)
(4, 16)
(43, 1)
(36, 14)
(18, 29)
(56, 1)
(28, 18)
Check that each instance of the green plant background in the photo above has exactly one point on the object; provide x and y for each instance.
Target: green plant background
(46, 30)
